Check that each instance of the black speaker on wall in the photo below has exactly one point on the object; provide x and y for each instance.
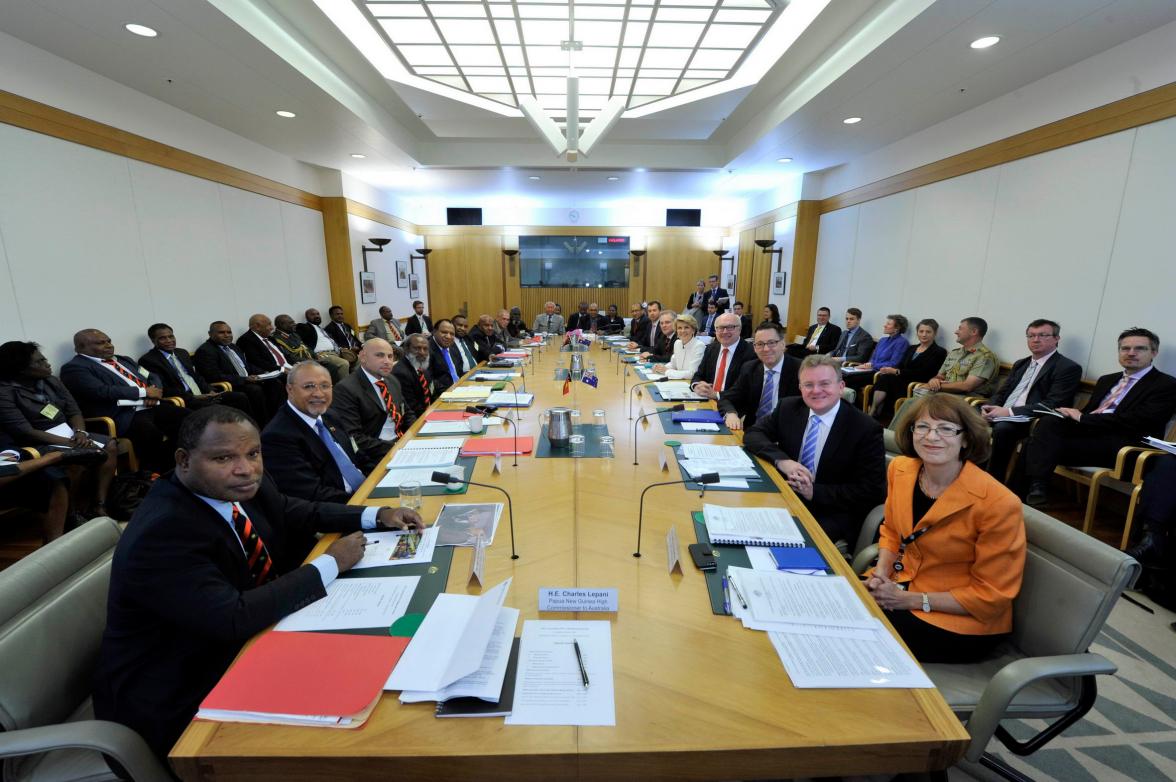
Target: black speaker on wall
(462, 216)
(691, 218)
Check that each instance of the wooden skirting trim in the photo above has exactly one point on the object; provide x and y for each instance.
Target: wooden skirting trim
(1146, 107)
(41, 118)
(384, 218)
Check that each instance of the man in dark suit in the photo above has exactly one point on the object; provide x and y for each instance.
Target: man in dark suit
(370, 403)
(707, 327)
(218, 360)
(341, 331)
(821, 337)
(105, 384)
(574, 322)
(418, 322)
(855, 345)
(647, 330)
(471, 352)
(415, 375)
(722, 359)
(331, 354)
(638, 323)
(306, 449)
(661, 350)
(744, 320)
(262, 356)
(485, 339)
(179, 375)
(1044, 377)
(1123, 408)
(744, 401)
(184, 594)
(830, 452)
(295, 349)
(716, 295)
(444, 357)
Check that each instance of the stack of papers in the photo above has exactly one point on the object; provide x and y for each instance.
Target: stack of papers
(355, 603)
(466, 393)
(1163, 445)
(751, 526)
(510, 399)
(486, 682)
(421, 475)
(456, 427)
(550, 689)
(438, 452)
(729, 461)
(676, 390)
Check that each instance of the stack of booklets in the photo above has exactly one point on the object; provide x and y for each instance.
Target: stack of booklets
(466, 394)
(751, 526)
(677, 390)
(437, 452)
(314, 679)
(510, 399)
(727, 460)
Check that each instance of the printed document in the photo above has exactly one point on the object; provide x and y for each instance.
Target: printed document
(436, 452)
(352, 603)
(486, 682)
(397, 547)
(776, 600)
(421, 475)
(814, 657)
(550, 688)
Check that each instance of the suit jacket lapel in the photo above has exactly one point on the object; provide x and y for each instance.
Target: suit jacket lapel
(963, 493)
(836, 433)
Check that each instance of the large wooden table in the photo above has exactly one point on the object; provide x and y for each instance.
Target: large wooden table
(697, 696)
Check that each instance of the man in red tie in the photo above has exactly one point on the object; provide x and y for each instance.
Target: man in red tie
(1123, 408)
(370, 404)
(415, 374)
(723, 358)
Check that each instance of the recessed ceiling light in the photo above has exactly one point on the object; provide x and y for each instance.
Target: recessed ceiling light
(985, 42)
(533, 178)
(358, 156)
(852, 120)
(783, 160)
(141, 29)
(613, 178)
(286, 114)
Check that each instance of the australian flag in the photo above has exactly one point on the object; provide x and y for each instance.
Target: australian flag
(591, 380)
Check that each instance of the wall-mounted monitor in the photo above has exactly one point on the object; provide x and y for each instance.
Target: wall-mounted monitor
(574, 261)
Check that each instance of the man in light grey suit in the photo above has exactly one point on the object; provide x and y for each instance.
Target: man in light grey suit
(856, 345)
(549, 321)
(386, 327)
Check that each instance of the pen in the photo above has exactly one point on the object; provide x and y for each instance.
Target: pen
(738, 594)
(726, 597)
(580, 661)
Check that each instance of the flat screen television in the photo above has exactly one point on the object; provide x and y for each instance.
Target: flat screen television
(574, 261)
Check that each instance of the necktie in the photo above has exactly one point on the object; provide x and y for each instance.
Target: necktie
(467, 358)
(279, 359)
(816, 335)
(1018, 397)
(390, 405)
(768, 397)
(123, 371)
(722, 371)
(808, 451)
(235, 360)
(548, 329)
(449, 363)
(352, 476)
(256, 555)
(189, 381)
(710, 319)
(1113, 397)
(424, 387)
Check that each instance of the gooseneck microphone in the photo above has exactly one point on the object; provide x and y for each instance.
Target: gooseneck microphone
(675, 409)
(446, 478)
(704, 479)
(638, 385)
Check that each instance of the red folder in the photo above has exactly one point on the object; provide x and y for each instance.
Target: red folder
(448, 415)
(327, 674)
(488, 446)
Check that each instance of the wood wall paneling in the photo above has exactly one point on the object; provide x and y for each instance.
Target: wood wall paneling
(804, 266)
(531, 300)
(465, 274)
(675, 262)
(337, 237)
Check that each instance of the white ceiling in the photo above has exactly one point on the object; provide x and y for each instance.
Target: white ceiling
(903, 65)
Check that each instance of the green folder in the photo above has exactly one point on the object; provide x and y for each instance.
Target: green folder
(762, 483)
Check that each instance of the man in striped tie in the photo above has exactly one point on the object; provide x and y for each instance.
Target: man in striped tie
(830, 452)
(204, 565)
(369, 402)
(415, 374)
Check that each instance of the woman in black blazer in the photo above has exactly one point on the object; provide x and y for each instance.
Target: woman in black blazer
(919, 364)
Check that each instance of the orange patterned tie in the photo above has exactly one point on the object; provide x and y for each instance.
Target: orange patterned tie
(256, 554)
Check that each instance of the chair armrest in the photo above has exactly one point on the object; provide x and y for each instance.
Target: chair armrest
(32, 453)
(1014, 677)
(1124, 458)
(178, 401)
(1141, 463)
(105, 425)
(118, 741)
(912, 386)
(976, 401)
(865, 558)
(220, 385)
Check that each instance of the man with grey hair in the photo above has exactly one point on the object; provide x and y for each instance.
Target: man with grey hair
(549, 321)
(306, 450)
(722, 359)
(413, 375)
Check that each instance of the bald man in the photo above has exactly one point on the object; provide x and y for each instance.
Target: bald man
(370, 403)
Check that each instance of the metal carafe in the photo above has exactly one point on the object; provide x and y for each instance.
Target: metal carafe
(576, 373)
(559, 426)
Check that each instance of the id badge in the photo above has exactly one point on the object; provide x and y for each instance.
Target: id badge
(50, 411)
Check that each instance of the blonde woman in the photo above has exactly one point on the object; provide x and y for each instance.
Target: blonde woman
(687, 350)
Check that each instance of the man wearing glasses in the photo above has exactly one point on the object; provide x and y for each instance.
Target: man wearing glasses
(831, 453)
(722, 359)
(760, 384)
(1044, 378)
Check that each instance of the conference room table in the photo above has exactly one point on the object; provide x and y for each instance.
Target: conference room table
(697, 696)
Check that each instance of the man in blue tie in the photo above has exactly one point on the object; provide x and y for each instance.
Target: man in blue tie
(307, 452)
(831, 453)
(446, 359)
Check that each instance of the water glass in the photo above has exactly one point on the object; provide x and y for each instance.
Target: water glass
(576, 442)
(410, 495)
(607, 447)
(598, 420)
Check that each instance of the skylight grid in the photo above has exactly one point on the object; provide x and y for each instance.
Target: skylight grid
(641, 50)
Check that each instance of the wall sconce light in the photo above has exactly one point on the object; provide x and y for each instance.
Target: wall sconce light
(379, 248)
(510, 257)
(637, 255)
(419, 255)
(766, 246)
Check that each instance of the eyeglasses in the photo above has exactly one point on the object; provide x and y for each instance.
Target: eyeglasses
(726, 328)
(824, 384)
(1046, 335)
(944, 431)
(308, 387)
(771, 343)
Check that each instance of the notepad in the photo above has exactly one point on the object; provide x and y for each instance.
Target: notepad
(488, 446)
(751, 526)
(791, 558)
(441, 452)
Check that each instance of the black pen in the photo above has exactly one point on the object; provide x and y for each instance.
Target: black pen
(580, 661)
(738, 594)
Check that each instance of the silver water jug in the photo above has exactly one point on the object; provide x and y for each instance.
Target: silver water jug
(559, 426)
(576, 373)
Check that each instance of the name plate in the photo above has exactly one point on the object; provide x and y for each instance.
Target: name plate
(559, 599)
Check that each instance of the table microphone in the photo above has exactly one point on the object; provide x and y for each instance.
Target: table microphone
(675, 409)
(446, 478)
(487, 410)
(638, 385)
(704, 479)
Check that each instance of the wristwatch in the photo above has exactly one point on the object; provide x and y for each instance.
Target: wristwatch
(926, 603)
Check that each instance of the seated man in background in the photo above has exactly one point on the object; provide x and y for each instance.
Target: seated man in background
(613, 322)
(856, 344)
(179, 375)
(637, 323)
(707, 327)
(219, 360)
(722, 359)
(322, 344)
(577, 316)
(385, 327)
(484, 337)
(549, 321)
(744, 320)
(971, 368)
(646, 332)
(662, 348)
(418, 322)
(502, 327)
(1124, 408)
(1044, 377)
(206, 564)
(415, 375)
(747, 398)
(262, 356)
(831, 453)
(370, 404)
(344, 336)
(465, 345)
(515, 326)
(294, 348)
(307, 452)
(443, 356)
(821, 337)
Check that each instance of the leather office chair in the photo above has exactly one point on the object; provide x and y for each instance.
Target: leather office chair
(52, 615)
(1045, 670)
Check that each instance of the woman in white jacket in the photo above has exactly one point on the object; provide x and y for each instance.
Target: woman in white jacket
(687, 350)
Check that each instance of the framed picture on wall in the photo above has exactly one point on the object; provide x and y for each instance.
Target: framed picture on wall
(414, 291)
(402, 274)
(731, 284)
(778, 280)
(367, 287)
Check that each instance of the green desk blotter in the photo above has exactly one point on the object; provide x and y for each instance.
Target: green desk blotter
(764, 485)
(434, 576)
(592, 434)
(725, 556)
(392, 492)
(670, 427)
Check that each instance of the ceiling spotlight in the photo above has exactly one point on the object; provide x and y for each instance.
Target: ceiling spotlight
(533, 178)
(286, 114)
(985, 42)
(783, 160)
(613, 178)
(141, 29)
(852, 120)
(358, 156)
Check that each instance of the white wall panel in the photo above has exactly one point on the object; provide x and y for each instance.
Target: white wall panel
(835, 259)
(879, 269)
(383, 265)
(306, 260)
(1141, 283)
(1051, 240)
(784, 232)
(11, 325)
(256, 252)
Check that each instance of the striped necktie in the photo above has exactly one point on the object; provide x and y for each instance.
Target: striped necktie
(257, 556)
(390, 406)
(1113, 397)
(425, 387)
(768, 396)
(119, 368)
(808, 451)
(235, 360)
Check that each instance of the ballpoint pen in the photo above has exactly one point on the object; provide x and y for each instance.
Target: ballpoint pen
(738, 594)
(580, 662)
(726, 597)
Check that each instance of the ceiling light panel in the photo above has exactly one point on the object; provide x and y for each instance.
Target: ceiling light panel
(639, 51)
